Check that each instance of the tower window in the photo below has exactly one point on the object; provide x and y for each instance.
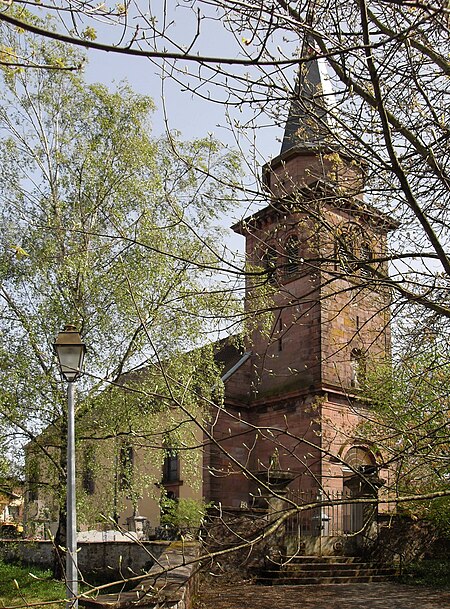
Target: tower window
(358, 367)
(365, 255)
(292, 256)
(353, 249)
(269, 261)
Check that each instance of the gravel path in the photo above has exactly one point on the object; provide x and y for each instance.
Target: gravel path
(354, 596)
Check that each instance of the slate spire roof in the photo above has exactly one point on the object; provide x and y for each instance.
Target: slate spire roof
(309, 123)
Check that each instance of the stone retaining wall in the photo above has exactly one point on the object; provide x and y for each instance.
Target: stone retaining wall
(171, 583)
(94, 558)
(171, 580)
(403, 540)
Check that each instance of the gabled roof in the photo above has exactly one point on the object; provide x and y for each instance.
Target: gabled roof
(230, 356)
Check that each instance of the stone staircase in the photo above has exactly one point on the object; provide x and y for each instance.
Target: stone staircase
(320, 570)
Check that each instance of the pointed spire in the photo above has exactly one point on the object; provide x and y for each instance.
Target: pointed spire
(309, 121)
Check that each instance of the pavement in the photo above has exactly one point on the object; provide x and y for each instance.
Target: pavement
(383, 595)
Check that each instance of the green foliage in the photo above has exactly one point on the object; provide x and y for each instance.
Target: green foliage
(184, 515)
(432, 573)
(114, 230)
(36, 584)
(439, 514)
(408, 424)
(158, 406)
(5, 468)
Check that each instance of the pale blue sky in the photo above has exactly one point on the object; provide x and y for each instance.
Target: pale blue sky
(182, 110)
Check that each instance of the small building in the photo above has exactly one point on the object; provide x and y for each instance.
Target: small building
(11, 508)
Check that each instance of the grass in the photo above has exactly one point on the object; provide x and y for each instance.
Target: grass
(431, 573)
(35, 587)
(37, 590)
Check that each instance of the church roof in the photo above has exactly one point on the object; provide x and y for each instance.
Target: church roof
(230, 356)
(309, 122)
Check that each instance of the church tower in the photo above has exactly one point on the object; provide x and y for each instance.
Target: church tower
(315, 254)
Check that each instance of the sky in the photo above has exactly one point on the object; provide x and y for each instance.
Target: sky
(178, 109)
(183, 110)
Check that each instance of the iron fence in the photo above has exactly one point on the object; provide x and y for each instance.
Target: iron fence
(334, 520)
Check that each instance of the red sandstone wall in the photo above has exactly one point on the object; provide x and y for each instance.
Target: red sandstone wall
(289, 175)
(292, 396)
(287, 353)
(232, 435)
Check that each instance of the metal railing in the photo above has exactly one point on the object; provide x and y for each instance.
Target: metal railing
(333, 520)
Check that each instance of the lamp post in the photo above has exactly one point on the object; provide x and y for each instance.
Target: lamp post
(70, 353)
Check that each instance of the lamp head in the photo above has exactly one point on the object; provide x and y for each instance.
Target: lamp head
(70, 353)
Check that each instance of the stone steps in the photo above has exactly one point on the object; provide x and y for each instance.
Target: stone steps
(316, 570)
(352, 566)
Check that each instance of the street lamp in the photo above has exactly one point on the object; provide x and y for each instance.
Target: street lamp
(70, 353)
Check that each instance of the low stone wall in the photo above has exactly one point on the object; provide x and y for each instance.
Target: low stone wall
(171, 583)
(33, 553)
(114, 558)
(403, 540)
(228, 529)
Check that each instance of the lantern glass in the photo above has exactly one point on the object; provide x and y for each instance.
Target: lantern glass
(70, 353)
(70, 360)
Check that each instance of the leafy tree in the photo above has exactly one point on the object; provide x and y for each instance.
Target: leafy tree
(409, 426)
(183, 517)
(107, 227)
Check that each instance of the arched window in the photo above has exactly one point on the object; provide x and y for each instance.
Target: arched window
(365, 256)
(344, 250)
(353, 249)
(269, 261)
(359, 458)
(292, 256)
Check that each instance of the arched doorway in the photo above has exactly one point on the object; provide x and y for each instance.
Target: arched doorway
(360, 480)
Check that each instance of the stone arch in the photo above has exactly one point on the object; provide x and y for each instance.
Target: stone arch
(360, 469)
(359, 473)
(359, 456)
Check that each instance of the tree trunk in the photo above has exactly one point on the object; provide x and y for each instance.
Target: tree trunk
(59, 553)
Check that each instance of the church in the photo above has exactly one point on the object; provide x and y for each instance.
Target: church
(318, 314)
(292, 406)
